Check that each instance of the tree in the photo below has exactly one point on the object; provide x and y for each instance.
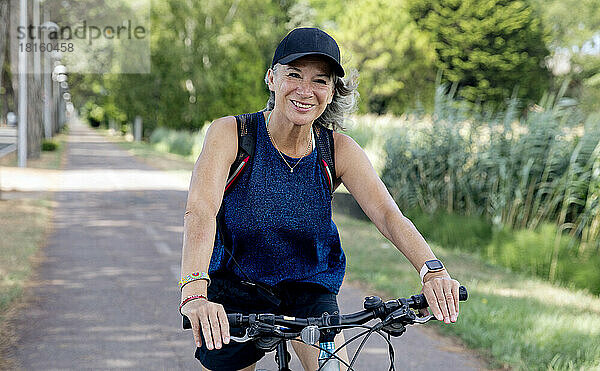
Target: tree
(392, 56)
(207, 61)
(487, 47)
(575, 46)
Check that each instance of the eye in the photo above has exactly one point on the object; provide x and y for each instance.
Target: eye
(321, 81)
(294, 74)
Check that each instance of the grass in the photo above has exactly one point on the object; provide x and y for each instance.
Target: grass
(20, 241)
(517, 321)
(47, 160)
(19, 247)
(151, 155)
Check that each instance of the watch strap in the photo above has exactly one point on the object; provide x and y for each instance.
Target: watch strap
(425, 269)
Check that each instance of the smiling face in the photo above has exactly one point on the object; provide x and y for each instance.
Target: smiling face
(303, 89)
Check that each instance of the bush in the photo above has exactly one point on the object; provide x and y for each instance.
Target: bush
(468, 233)
(96, 115)
(171, 141)
(527, 251)
(49, 145)
(531, 251)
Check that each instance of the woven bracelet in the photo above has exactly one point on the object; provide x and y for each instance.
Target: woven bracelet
(188, 299)
(195, 276)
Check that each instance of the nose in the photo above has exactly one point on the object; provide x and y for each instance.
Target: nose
(304, 89)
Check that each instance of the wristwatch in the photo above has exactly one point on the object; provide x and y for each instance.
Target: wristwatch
(433, 265)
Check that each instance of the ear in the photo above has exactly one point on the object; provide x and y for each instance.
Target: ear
(330, 96)
(271, 79)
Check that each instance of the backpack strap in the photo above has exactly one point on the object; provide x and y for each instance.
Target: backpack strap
(246, 125)
(326, 155)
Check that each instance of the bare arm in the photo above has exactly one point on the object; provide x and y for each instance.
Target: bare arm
(359, 177)
(204, 200)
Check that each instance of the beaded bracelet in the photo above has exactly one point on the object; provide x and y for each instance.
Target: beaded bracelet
(195, 276)
(188, 299)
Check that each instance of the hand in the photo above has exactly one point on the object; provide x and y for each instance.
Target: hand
(211, 319)
(441, 293)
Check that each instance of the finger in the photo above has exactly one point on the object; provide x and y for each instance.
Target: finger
(224, 324)
(441, 299)
(196, 330)
(215, 327)
(431, 299)
(448, 294)
(206, 331)
(456, 295)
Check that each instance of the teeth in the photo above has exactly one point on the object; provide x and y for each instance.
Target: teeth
(298, 104)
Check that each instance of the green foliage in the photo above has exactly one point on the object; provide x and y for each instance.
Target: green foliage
(468, 233)
(573, 26)
(487, 47)
(531, 251)
(184, 143)
(516, 173)
(49, 145)
(207, 61)
(526, 250)
(383, 43)
(166, 140)
(94, 114)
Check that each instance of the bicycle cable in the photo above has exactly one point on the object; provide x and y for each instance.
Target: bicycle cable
(367, 333)
(344, 344)
(362, 344)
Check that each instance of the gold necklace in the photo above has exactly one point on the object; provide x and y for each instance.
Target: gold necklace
(281, 154)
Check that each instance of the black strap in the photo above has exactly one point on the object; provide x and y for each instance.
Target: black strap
(326, 155)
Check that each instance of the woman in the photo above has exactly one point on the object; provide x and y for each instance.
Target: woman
(278, 215)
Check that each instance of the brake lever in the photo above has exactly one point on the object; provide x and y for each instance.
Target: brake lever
(242, 339)
(422, 320)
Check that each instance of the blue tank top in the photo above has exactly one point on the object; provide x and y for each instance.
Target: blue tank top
(280, 222)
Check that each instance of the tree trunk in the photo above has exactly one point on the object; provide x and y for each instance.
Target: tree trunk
(34, 112)
(3, 44)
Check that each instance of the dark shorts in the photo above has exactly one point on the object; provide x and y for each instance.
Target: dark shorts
(297, 300)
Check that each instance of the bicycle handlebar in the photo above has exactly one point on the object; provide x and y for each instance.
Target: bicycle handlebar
(419, 301)
(374, 308)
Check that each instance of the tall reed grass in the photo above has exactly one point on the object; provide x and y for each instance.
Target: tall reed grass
(519, 168)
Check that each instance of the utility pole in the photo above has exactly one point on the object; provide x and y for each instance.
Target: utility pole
(22, 153)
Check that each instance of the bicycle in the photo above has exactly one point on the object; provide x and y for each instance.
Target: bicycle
(272, 332)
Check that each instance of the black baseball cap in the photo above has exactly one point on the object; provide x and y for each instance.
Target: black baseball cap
(308, 41)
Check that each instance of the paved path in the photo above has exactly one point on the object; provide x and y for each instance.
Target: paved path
(107, 297)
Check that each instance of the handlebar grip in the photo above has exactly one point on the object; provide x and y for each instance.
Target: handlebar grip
(186, 323)
(419, 301)
(234, 320)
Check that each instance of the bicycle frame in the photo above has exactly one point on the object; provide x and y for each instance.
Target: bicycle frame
(282, 356)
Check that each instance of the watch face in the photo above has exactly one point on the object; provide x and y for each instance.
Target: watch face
(434, 265)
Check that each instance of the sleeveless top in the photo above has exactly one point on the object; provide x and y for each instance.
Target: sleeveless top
(280, 222)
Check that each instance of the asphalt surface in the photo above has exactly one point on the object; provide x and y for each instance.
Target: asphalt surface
(106, 296)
